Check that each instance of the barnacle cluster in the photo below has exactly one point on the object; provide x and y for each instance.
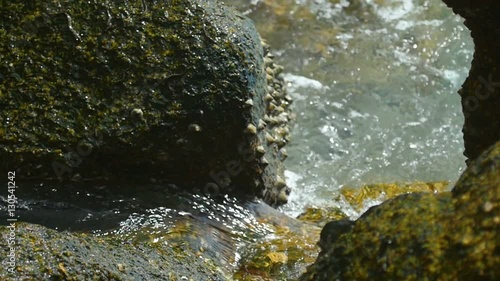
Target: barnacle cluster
(271, 133)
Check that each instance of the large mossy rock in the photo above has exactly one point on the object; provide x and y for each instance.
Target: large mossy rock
(177, 91)
(481, 91)
(422, 236)
(45, 254)
(475, 224)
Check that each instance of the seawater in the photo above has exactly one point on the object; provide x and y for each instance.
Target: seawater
(374, 84)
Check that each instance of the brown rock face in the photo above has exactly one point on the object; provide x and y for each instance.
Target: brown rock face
(481, 91)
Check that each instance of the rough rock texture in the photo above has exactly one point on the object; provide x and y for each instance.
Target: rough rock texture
(481, 91)
(45, 254)
(475, 224)
(422, 236)
(385, 243)
(169, 91)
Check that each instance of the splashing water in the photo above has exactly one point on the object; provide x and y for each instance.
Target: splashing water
(374, 84)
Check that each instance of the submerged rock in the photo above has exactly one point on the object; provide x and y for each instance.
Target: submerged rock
(357, 197)
(283, 256)
(175, 91)
(284, 253)
(320, 217)
(422, 236)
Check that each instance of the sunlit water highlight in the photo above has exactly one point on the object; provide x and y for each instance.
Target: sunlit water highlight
(374, 84)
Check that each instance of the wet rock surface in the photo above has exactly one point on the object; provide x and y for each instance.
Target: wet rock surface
(422, 236)
(211, 238)
(46, 254)
(176, 92)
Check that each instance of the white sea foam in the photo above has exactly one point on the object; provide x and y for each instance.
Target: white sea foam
(297, 81)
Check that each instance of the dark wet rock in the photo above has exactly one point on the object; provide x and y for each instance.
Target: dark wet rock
(169, 91)
(422, 236)
(481, 91)
(332, 231)
(45, 254)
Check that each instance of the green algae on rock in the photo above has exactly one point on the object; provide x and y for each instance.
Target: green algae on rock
(322, 216)
(385, 243)
(356, 197)
(476, 203)
(423, 236)
(172, 91)
(45, 254)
